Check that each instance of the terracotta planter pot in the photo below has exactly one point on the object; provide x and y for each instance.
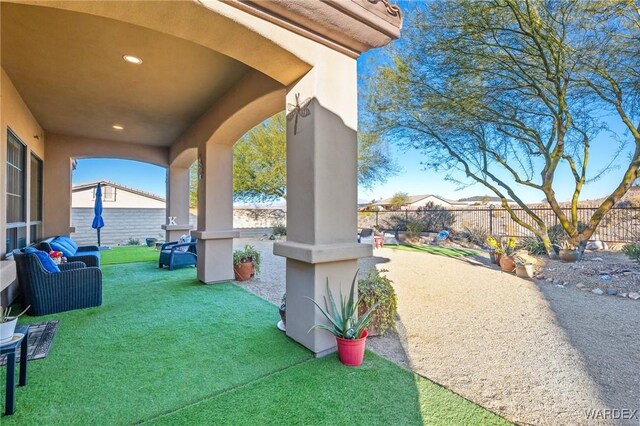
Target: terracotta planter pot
(351, 351)
(507, 263)
(243, 271)
(497, 258)
(568, 255)
(524, 271)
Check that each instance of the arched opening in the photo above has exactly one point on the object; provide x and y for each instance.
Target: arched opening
(133, 200)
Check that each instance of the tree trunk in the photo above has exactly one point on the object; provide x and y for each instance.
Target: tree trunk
(549, 247)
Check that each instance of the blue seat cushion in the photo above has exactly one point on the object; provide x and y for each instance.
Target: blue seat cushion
(60, 246)
(47, 263)
(68, 242)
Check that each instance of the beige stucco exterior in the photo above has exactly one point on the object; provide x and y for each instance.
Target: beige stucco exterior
(211, 71)
(124, 198)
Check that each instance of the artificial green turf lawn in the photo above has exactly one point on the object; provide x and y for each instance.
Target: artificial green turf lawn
(165, 348)
(441, 251)
(324, 392)
(128, 254)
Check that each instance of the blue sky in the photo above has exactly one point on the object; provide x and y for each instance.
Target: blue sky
(412, 178)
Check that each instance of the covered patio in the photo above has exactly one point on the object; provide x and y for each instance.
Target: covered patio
(171, 83)
(164, 349)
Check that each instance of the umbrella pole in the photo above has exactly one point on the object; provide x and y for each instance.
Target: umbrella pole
(98, 237)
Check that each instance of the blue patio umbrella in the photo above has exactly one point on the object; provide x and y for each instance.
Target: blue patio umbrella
(97, 210)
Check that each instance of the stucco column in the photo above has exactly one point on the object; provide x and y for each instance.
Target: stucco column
(321, 196)
(215, 213)
(177, 203)
(56, 192)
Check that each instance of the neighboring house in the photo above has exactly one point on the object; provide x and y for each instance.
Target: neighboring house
(484, 200)
(129, 213)
(417, 201)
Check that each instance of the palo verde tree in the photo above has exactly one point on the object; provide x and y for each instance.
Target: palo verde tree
(259, 161)
(398, 200)
(511, 93)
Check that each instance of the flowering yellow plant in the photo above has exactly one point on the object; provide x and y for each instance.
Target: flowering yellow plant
(492, 242)
(505, 246)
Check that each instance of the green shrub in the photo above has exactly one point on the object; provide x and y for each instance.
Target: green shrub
(533, 245)
(557, 235)
(474, 234)
(279, 229)
(248, 254)
(414, 228)
(632, 251)
(376, 288)
(133, 242)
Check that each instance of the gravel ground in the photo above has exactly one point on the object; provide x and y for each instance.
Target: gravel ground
(530, 351)
(609, 272)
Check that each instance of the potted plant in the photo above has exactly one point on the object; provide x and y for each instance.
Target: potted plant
(568, 252)
(377, 290)
(507, 246)
(349, 328)
(8, 323)
(524, 268)
(246, 263)
(494, 250)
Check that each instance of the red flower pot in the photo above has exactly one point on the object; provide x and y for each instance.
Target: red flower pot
(351, 351)
(243, 271)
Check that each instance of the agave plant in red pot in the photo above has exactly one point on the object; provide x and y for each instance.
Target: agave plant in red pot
(349, 328)
(246, 263)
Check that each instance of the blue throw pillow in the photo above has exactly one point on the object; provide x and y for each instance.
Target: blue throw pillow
(47, 263)
(58, 246)
(69, 242)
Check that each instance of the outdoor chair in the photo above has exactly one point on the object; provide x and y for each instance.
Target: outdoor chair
(176, 254)
(366, 236)
(76, 286)
(90, 255)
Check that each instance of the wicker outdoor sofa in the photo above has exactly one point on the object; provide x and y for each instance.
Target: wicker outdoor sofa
(76, 286)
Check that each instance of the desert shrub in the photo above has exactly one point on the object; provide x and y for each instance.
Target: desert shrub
(133, 242)
(557, 235)
(279, 229)
(632, 251)
(474, 234)
(377, 288)
(533, 245)
(414, 229)
(433, 218)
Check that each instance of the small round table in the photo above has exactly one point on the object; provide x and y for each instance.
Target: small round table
(10, 350)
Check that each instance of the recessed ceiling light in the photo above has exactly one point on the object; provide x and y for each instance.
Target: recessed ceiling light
(132, 59)
(117, 127)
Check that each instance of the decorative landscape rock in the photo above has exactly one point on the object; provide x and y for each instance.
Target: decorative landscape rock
(597, 291)
(604, 271)
(612, 291)
(634, 296)
(596, 245)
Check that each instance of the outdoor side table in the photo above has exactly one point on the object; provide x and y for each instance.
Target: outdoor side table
(10, 350)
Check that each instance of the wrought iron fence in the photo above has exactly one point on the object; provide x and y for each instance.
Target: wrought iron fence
(620, 224)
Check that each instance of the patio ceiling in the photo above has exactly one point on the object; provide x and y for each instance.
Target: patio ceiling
(68, 67)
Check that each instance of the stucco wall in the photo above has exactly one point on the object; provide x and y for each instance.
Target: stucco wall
(120, 225)
(16, 116)
(435, 200)
(123, 199)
